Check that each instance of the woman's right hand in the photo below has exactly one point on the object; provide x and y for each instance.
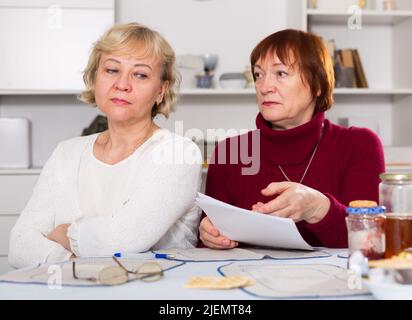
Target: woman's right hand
(211, 237)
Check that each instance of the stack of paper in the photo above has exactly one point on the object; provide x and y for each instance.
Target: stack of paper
(252, 227)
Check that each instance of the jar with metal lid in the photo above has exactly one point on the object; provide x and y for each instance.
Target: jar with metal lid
(366, 231)
(395, 193)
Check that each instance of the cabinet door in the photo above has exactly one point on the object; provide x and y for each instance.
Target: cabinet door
(15, 192)
(6, 224)
(48, 42)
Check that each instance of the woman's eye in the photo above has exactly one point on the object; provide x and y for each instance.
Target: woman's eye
(282, 74)
(257, 75)
(111, 71)
(140, 75)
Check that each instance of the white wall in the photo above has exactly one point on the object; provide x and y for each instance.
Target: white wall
(229, 28)
(45, 44)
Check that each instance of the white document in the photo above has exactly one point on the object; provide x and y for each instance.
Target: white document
(252, 227)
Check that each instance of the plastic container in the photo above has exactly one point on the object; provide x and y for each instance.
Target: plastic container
(366, 231)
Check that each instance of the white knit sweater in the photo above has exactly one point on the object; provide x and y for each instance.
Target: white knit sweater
(158, 210)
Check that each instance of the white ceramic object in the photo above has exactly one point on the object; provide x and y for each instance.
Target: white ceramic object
(233, 84)
(232, 80)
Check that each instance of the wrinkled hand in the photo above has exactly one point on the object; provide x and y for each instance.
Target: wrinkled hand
(59, 235)
(294, 201)
(211, 237)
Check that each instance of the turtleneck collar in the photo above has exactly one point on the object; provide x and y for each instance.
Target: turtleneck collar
(292, 146)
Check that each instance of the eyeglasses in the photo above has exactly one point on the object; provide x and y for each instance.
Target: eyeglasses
(115, 275)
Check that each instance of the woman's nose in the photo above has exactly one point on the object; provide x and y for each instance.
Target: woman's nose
(123, 83)
(268, 85)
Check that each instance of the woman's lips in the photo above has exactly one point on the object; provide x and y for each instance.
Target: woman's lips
(120, 102)
(270, 103)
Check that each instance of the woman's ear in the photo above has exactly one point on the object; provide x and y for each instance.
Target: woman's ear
(163, 89)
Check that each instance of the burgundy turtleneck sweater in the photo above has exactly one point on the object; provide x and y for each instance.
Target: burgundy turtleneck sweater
(346, 167)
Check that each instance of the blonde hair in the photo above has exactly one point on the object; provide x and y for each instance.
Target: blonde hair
(128, 39)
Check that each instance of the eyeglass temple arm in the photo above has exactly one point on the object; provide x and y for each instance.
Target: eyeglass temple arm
(120, 265)
(74, 270)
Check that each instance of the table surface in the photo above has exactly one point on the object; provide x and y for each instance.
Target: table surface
(168, 288)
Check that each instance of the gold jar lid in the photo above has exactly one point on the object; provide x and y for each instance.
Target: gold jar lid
(396, 176)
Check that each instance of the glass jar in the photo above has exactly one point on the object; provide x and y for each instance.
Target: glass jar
(395, 193)
(366, 231)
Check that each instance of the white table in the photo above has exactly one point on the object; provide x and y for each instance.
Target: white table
(168, 288)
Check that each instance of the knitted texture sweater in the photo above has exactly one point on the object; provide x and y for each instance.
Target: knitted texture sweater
(158, 209)
(346, 167)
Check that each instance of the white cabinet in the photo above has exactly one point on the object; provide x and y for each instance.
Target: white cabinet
(6, 224)
(383, 41)
(16, 187)
(46, 44)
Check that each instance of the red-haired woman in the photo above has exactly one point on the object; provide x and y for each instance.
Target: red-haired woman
(308, 168)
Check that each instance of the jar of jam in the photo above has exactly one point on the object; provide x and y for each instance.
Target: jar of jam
(395, 193)
(366, 231)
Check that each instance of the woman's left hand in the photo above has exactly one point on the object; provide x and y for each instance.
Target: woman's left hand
(294, 201)
(59, 235)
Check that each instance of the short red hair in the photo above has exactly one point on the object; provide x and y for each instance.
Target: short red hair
(311, 56)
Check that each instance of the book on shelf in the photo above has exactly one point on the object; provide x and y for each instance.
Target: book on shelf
(349, 69)
(359, 71)
(348, 62)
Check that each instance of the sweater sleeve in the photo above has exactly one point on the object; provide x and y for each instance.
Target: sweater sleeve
(218, 175)
(360, 182)
(167, 193)
(29, 245)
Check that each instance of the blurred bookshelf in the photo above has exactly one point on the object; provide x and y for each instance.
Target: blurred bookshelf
(382, 40)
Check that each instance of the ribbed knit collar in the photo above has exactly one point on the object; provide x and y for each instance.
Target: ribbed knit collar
(293, 146)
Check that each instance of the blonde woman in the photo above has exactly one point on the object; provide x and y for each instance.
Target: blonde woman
(123, 189)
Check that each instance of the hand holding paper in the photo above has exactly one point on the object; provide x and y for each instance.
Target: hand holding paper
(212, 238)
(295, 201)
(250, 227)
